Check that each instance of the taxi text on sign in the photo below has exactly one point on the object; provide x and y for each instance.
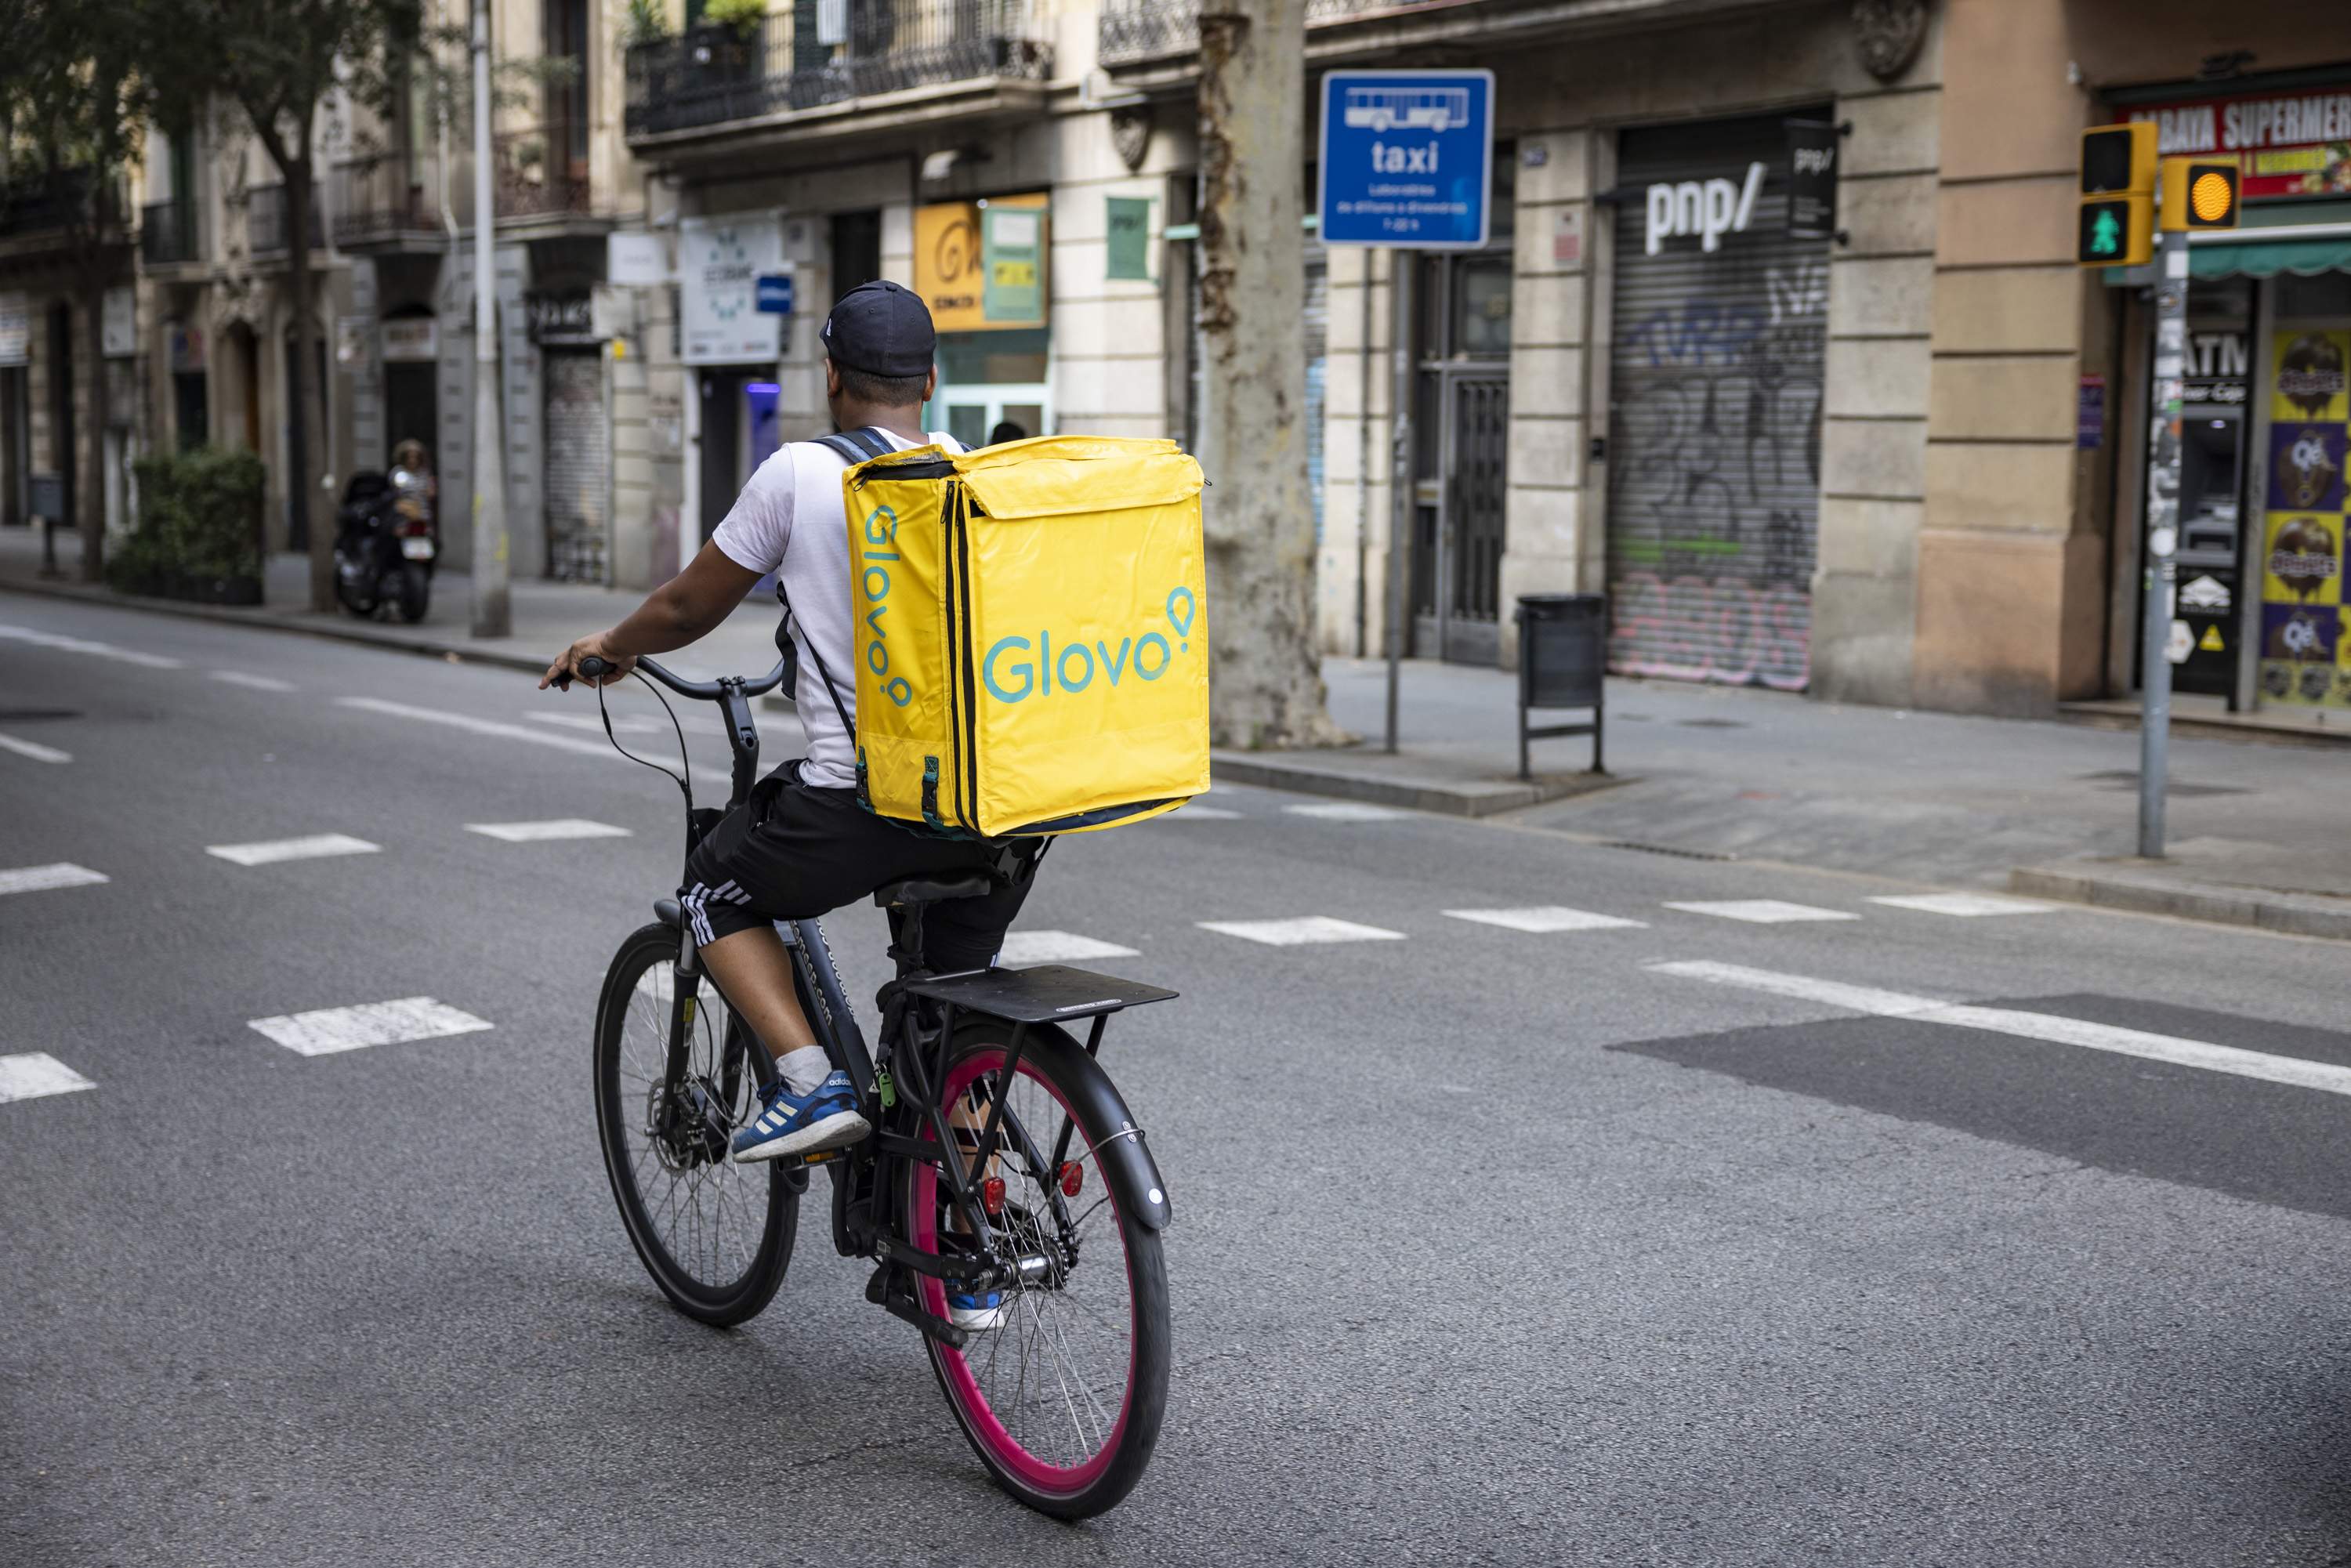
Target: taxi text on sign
(1408, 158)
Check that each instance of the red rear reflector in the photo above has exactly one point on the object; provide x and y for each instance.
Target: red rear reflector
(1073, 1176)
(991, 1194)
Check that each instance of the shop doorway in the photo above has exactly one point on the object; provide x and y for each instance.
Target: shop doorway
(741, 428)
(989, 379)
(1461, 458)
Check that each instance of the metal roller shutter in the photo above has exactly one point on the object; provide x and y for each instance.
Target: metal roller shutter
(578, 466)
(1714, 420)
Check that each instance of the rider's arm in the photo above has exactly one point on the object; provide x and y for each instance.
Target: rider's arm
(677, 613)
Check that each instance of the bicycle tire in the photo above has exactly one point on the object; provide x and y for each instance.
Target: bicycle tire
(768, 1209)
(974, 1380)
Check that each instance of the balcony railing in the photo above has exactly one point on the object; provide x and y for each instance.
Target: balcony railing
(382, 198)
(265, 220)
(34, 204)
(532, 176)
(167, 232)
(828, 52)
(1134, 31)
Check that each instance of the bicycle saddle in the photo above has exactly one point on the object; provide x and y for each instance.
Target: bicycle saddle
(932, 889)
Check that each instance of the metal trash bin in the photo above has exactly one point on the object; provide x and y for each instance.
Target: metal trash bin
(1563, 663)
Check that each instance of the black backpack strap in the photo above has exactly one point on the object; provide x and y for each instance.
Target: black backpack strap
(855, 446)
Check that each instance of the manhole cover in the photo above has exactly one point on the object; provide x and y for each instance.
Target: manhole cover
(20, 714)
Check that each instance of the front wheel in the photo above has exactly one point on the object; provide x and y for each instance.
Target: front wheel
(415, 592)
(1062, 1398)
(715, 1236)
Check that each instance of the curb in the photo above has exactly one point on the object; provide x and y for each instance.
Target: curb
(2150, 893)
(1474, 797)
(356, 632)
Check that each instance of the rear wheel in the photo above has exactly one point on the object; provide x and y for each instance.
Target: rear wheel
(715, 1236)
(1062, 1399)
(415, 592)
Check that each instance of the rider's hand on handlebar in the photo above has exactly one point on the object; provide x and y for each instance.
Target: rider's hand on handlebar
(566, 667)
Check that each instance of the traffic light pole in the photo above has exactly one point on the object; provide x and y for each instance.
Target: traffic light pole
(2160, 575)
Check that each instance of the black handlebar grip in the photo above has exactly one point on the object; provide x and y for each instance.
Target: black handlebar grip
(593, 668)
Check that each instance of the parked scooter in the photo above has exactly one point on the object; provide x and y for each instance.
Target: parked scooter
(386, 543)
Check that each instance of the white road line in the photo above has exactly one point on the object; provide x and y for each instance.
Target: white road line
(1304, 929)
(1966, 905)
(1762, 911)
(2048, 1027)
(37, 753)
(1547, 918)
(1347, 812)
(256, 683)
(41, 878)
(36, 1073)
(311, 848)
(331, 1029)
(632, 725)
(482, 727)
(95, 650)
(1199, 814)
(1025, 948)
(558, 828)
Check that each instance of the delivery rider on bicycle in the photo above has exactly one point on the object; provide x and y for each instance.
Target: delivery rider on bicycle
(802, 846)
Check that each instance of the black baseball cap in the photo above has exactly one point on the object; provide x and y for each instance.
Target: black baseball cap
(883, 330)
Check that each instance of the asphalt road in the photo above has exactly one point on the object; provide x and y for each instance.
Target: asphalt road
(1687, 1239)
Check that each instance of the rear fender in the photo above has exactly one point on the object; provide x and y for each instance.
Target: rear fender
(1118, 1139)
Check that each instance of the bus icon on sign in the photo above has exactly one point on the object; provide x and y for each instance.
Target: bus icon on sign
(1407, 108)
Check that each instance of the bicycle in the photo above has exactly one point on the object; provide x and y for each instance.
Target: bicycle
(977, 1063)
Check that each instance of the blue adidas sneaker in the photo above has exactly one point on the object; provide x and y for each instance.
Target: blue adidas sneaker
(826, 1117)
(974, 1311)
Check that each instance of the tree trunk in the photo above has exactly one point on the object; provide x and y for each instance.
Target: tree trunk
(317, 520)
(91, 427)
(1265, 674)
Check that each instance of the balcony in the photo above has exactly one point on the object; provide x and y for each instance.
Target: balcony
(849, 50)
(1143, 32)
(388, 202)
(167, 232)
(266, 223)
(534, 176)
(35, 205)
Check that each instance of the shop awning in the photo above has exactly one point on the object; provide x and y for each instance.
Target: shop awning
(2307, 239)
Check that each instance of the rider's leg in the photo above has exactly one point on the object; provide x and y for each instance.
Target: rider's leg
(753, 972)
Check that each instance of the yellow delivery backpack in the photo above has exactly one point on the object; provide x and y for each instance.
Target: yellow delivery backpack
(1031, 634)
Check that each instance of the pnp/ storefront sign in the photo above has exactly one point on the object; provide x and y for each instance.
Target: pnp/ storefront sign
(1707, 209)
(1406, 158)
(1813, 179)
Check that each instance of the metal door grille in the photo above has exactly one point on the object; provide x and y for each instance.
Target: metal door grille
(1715, 421)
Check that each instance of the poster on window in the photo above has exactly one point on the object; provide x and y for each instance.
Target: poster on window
(2305, 655)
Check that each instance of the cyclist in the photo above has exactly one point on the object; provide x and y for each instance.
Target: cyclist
(801, 846)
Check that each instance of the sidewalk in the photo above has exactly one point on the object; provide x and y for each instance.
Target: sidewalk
(546, 616)
(2256, 831)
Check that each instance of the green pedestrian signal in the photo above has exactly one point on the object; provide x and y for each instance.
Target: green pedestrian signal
(2115, 231)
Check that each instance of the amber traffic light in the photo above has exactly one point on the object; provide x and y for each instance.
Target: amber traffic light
(2200, 193)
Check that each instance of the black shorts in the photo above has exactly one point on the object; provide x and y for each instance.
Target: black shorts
(793, 852)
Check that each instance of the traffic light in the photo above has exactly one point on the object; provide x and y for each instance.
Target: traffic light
(2118, 196)
(2199, 193)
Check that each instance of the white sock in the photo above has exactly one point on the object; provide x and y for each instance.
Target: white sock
(804, 1069)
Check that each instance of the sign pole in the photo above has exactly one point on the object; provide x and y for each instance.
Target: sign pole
(492, 612)
(2161, 571)
(1401, 267)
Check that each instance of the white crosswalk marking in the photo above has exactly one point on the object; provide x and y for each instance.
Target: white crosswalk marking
(1547, 918)
(312, 848)
(1966, 905)
(1025, 948)
(34, 1073)
(557, 828)
(1347, 812)
(41, 878)
(1298, 932)
(331, 1030)
(2049, 1027)
(34, 749)
(254, 683)
(485, 727)
(95, 650)
(1762, 911)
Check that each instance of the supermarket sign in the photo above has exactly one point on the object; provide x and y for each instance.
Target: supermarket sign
(2291, 144)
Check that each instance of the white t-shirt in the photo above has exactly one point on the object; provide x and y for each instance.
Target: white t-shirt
(789, 520)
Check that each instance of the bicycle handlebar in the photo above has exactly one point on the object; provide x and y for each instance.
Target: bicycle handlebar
(593, 668)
